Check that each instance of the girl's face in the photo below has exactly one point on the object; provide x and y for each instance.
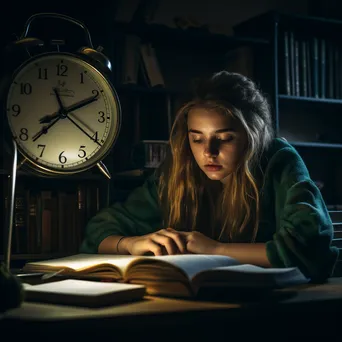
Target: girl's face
(217, 142)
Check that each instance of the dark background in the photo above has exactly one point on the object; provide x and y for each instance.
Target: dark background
(180, 64)
(99, 16)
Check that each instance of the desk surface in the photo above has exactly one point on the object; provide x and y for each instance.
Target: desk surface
(302, 306)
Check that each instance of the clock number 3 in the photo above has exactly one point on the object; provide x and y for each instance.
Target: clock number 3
(101, 119)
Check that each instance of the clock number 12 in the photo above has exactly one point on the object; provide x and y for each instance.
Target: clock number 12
(62, 70)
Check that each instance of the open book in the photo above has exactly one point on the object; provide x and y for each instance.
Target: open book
(170, 275)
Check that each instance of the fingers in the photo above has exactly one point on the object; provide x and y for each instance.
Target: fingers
(155, 248)
(178, 239)
(166, 242)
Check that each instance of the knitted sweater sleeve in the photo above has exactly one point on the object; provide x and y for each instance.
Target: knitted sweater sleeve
(304, 229)
(139, 214)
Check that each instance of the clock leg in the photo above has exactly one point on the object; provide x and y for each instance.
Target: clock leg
(21, 163)
(103, 169)
(10, 214)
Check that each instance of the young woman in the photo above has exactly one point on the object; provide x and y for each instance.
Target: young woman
(227, 186)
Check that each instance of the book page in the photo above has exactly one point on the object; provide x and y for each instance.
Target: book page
(256, 269)
(190, 264)
(80, 262)
(251, 276)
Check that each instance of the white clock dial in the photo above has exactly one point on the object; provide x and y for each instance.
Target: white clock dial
(62, 112)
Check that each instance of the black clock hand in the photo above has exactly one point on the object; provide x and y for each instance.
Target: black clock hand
(49, 118)
(78, 126)
(45, 129)
(65, 111)
(80, 104)
(61, 107)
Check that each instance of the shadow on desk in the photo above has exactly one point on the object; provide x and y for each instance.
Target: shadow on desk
(304, 311)
(243, 296)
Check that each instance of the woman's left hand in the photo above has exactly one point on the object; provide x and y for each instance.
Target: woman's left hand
(198, 243)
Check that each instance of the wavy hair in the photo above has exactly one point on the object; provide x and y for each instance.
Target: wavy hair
(190, 200)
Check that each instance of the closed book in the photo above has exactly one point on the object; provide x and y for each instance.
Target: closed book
(83, 292)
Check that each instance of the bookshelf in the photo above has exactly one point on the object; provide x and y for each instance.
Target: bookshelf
(305, 67)
(50, 213)
(302, 73)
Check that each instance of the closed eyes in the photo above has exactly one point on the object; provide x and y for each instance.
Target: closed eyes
(219, 140)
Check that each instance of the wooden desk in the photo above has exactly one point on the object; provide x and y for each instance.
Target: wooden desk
(308, 310)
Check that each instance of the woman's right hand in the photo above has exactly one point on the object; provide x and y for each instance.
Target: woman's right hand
(158, 243)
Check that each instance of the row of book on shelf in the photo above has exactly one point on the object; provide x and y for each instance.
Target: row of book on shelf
(136, 62)
(51, 221)
(335, 212)
(312, 66)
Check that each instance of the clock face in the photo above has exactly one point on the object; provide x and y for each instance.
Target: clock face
(63, 113)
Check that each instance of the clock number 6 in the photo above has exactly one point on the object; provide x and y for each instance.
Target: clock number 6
(62, 159)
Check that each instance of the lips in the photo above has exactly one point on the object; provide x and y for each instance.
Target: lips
(213, 167)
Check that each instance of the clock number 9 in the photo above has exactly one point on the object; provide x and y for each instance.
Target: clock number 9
(16, 110)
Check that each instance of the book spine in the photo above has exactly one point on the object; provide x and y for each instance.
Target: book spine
(323, 68)
(304, 69)
(297, 84)
(315, 68)
(287, 63)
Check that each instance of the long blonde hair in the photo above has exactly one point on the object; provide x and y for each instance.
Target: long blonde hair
(191, 201)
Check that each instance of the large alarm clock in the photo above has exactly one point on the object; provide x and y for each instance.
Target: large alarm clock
(63, 112)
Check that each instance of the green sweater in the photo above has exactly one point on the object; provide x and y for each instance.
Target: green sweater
(294, 221)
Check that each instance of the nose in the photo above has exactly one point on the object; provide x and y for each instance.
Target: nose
(211, 150)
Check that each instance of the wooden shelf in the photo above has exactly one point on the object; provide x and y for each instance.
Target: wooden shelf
(310, 99)
(134, 174)
(315, 144)
(200, 38)
(81, 176)
(134, 88)
(261, 25)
